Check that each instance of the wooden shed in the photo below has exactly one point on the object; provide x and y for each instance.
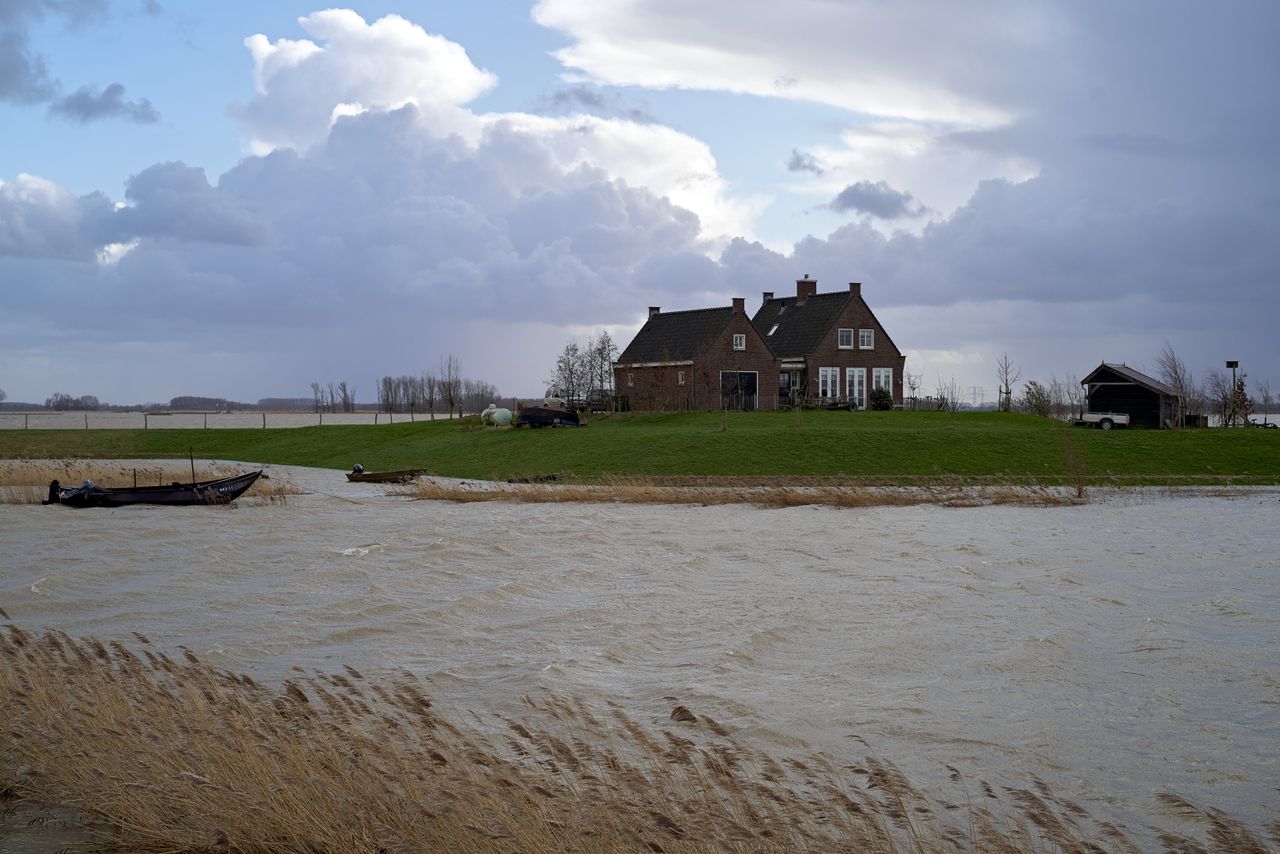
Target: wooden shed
(1119, 388)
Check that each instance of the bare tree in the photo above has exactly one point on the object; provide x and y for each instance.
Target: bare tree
(430, 392)
(1217, 387)
(1075, 395)
(2, 394)
(913, 386)
(450, 381)
(1007, 374)
(1174, 373)
(1263, 387)
(948, 393)
(317, 396)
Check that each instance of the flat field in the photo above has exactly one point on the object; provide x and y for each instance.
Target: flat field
(869, 447)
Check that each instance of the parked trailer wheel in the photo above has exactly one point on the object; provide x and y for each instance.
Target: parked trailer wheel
(1105, 424)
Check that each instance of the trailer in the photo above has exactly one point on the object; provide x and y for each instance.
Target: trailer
(1102, 420)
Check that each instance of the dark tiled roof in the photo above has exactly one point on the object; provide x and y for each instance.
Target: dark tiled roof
(675, 336)
(800, 327)
(1133, 376)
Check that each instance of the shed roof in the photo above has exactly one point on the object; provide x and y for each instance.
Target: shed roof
(1128, 373)
(801, 325)
(673, 336)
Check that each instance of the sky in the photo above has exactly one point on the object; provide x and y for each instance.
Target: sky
(237, 199)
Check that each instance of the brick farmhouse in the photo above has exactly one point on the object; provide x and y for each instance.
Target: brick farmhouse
(814, 349)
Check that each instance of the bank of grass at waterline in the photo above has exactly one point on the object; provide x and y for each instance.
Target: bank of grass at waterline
(158, 754)
(27, 481)
(886, 448)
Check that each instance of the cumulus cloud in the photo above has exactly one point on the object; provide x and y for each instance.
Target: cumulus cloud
(303, 85)
(596, 102)
(877, 199)
(39, 219)
(84, 105)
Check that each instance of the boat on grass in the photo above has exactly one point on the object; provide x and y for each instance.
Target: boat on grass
(547, 416)
(223, 490)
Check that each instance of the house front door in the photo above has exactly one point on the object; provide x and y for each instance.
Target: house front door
(856, 382)
(739, 389)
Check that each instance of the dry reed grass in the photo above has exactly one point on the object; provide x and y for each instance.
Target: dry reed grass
(27, 481)
(759, 491)
(160, 753)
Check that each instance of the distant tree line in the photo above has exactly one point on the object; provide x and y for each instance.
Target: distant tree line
(444, 388)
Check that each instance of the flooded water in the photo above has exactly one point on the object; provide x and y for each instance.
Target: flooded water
(1115, 649)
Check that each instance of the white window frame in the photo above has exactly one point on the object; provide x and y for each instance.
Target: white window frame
(840, 339)
(866, 339)
(631, 378)
(679, 377)
(828, 383)
(739, 341)
(852, 389)
(882, 378)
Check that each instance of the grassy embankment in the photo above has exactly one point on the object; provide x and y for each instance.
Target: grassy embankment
(873, 447)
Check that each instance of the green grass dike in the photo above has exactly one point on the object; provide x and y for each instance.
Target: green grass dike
(871, 447)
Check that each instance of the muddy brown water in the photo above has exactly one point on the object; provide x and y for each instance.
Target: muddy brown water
(1114, 649)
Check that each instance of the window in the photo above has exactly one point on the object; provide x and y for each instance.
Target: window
(844, 339)
(739, 341)
(882, 378)
(679, 377)
(631, 378)
(828, 382)
(866, 339)
(773, 329)
(855, 380)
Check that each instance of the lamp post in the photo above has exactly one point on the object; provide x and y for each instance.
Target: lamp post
(1231, 418)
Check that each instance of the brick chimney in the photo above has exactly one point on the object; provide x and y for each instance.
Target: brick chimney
(739, 305)
(855, 288)
(654, 309)
(768, 295)
(805, 288)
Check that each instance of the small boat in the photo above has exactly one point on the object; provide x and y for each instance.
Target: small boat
(359, 475)
(221, 491)
(547, 416)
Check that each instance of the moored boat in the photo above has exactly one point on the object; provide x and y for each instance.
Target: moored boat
(359, 475)
(223, 490)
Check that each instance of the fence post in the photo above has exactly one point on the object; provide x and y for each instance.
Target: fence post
(86, 421)
(264, 420)
(145, 420)
(25, 421)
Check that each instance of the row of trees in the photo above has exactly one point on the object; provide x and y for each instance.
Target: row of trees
(63, 402)
(583, 373)
(333, 397)
(444, 387)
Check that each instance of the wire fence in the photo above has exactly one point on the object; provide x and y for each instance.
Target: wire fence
(201, 420)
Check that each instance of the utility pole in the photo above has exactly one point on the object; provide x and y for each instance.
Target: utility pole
(978, 394)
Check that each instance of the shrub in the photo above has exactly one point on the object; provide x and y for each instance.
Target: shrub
(881, 399)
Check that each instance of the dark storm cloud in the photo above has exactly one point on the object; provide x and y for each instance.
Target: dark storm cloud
(877, 199)
(804, 162)
(25, 76)
(84, 106)
(595, 102)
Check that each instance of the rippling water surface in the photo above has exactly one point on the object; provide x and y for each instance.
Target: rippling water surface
(1115, 649)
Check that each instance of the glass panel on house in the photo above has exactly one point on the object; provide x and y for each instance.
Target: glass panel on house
(866, 339)
(856, 383)
(882, 378)
(739, 341)
(828, 382)
(844, 339)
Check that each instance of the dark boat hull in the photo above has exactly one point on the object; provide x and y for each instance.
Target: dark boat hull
(547, 416)
(220, 491)
(401, 476)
